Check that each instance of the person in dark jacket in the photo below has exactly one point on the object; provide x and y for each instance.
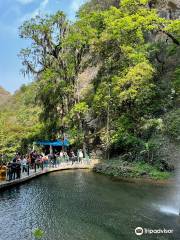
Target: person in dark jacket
(33, 156)
(18, 169)
(13, 169)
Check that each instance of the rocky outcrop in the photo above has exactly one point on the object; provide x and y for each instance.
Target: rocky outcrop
(169, 9)
(85, 80)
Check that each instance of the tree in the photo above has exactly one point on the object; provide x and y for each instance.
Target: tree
(55, 59)
(126, 93)
(121, 48)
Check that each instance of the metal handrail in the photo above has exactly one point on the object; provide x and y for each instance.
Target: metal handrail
(44, 165)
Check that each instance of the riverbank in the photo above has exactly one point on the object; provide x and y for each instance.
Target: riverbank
(63, 166)
(118, 170)
(137, 171)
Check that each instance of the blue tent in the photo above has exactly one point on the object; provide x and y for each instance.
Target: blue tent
(56, 143)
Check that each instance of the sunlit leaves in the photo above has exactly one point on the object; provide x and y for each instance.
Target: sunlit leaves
(116, 41)
(136, 85)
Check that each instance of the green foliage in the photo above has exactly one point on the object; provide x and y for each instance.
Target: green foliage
(141, 168)
(151, 126)
(174, 28)
(19, 122)
(172, 124)
(80, 108)
(117, 167)
(135, 86)
(122, 137)
(176, 82)
(125, 100)
(95, 5)
(38, 233)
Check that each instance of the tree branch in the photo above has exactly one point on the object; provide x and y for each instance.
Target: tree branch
(175, 41)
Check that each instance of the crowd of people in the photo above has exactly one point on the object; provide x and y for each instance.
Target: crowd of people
(34, 160)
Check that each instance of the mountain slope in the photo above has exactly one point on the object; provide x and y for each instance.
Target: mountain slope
(4, 96)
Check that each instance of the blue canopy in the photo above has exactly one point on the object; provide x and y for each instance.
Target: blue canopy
(56, 143)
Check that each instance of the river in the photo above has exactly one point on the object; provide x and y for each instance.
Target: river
(81, 205)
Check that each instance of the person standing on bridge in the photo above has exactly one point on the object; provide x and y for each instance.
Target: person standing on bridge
(18, 169)
(54, 160)
(80, 156)
(61, 155)
(73, 157)
(24, 164)
(13, 169)
(9, 171)
(66, 157)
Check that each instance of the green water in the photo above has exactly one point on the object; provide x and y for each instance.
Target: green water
(81, 205)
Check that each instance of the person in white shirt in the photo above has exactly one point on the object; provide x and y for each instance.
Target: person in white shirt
(24, 164)
(61, 155)
(80, 155)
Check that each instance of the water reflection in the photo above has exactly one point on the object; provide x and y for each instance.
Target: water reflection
(81, 205)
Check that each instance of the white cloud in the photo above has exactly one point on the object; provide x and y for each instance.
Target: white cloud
(44, 3)
(75, 5)
(24, 2)
(40, 9)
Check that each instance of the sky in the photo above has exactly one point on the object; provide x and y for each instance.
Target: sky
(13, 13)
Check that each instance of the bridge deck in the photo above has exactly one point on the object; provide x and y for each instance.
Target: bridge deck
(39, 172)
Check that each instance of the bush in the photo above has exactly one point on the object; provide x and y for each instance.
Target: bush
(172, 126)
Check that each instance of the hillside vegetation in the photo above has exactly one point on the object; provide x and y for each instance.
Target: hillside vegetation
(4, 96)
(109, 82)
(19, 122)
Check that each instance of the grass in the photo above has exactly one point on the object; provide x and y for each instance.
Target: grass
(117, 167)
(151, 171)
